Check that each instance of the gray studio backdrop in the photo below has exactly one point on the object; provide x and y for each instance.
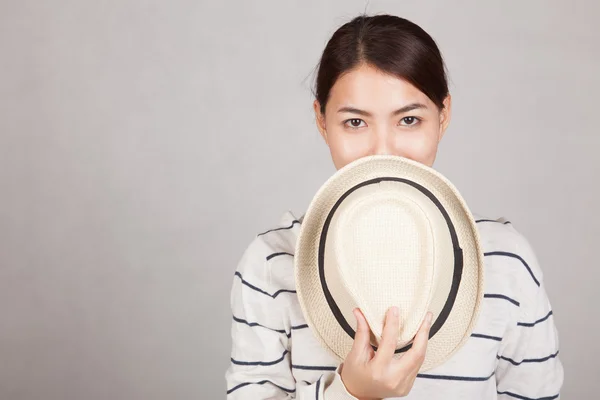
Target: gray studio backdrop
(144, 143)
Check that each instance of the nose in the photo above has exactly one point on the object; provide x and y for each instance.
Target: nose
(382, 144)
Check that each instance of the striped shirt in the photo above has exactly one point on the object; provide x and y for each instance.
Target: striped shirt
(511, 354)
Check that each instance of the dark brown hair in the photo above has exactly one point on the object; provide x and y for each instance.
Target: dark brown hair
(393, 45)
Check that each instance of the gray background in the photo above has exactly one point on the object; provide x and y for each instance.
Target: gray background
(143, 144)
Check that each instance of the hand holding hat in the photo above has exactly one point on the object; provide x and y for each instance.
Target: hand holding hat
(376, 375)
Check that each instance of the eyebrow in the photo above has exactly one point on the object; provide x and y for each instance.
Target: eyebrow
(407, 108)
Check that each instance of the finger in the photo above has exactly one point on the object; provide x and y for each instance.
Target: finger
(365, 337)
(415, 356)
(389, 336)
(361, 338)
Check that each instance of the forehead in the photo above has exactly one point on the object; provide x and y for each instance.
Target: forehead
(370, 89)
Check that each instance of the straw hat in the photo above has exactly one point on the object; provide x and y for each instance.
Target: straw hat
(384, 231)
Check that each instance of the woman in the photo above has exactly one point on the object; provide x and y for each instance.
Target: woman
(381, 88)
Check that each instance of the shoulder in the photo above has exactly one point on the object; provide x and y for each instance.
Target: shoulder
(281, 236)
(504, 242)
(269, 246)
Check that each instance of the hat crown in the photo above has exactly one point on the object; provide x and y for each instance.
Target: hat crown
(380, 252)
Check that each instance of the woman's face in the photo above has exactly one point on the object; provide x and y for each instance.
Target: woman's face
(369, 112)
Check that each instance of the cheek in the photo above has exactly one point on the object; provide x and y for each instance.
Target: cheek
(346, 147)
(418, 146)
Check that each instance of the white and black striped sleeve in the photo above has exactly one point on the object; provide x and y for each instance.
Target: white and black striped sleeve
(528, 365)
(260, 366)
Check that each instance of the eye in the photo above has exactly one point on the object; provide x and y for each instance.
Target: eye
(353, 123)
(410, 121)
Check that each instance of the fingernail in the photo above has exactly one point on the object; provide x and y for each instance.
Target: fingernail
(429, 318)
(395, 311)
